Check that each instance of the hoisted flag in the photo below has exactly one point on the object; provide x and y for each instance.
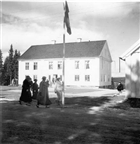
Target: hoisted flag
(66, 17)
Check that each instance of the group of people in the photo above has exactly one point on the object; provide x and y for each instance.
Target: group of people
(31, 90)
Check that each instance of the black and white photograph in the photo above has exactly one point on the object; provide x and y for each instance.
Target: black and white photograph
(69, 72)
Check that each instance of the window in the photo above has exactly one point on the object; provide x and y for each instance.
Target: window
(105, 78)
(76, 64)
(87, 77)
(35, 66)
(87, 64)
(26, 66)
(59, 64)
(34, 77)
(50, 65)
(76, 77)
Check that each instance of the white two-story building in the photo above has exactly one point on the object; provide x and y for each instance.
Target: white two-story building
(86, 63)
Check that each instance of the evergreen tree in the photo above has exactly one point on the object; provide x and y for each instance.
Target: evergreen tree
(1, 67)
(10, 68)
(15, 63)
(5, 74)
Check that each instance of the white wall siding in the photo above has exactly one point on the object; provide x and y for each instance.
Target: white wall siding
(70, 71)
(93, 72)
(133, 74)
(105, 67)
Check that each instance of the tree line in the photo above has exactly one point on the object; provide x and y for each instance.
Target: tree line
(9, 68)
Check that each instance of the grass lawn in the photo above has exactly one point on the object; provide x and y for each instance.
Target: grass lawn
(77, 123)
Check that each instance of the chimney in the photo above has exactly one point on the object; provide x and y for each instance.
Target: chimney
(53, 41)
(79, 39)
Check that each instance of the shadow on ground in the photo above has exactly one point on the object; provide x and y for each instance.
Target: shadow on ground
(85, 102)
(23, 124)
(128, 103)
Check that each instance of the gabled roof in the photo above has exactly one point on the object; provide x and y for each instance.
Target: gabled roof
(131, 50)
(72, 50)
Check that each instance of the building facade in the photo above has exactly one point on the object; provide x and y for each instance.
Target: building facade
(132, 70)
(86, 63)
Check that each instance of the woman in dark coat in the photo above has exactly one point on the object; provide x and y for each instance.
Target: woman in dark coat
(35, 89)
(26, 93)
(120, 87)
(43, 95)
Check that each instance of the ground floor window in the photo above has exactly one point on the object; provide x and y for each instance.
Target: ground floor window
(87, 77)
(34, 77)
(77, 78)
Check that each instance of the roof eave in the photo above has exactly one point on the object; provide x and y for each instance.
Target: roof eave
(133, 48)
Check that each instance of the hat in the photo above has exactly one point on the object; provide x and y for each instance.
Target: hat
(27, 77)
(43, 77)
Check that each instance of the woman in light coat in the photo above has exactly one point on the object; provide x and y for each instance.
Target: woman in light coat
(58, 89)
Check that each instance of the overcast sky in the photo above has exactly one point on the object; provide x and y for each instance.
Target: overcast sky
(33, 23)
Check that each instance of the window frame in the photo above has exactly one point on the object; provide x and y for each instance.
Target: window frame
(34, 77)
(50, 65)
(35, 66)
(77, 78)
(59, 65)
(76, 64)
(27, 66)
(87, 78)
(87, 64)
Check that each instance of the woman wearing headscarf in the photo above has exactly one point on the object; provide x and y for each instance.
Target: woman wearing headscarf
(43, 95)
(26, 93)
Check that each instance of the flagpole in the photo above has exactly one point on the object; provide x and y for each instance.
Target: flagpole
(67, 23)
(63, 96)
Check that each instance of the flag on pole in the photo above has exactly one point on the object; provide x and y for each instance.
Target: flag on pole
(66, 17)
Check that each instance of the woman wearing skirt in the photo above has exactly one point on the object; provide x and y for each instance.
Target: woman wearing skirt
(43, 95)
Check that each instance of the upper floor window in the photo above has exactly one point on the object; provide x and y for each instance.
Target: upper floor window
(87, 64)
(76, 64)
(87, 77)
(50, 65)
(77, 78)
(27, 66)
(59, 64)
(35, 65)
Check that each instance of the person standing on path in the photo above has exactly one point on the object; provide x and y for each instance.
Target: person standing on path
(43, 95)
(26, 93)
(58, 90)
(120, 87)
